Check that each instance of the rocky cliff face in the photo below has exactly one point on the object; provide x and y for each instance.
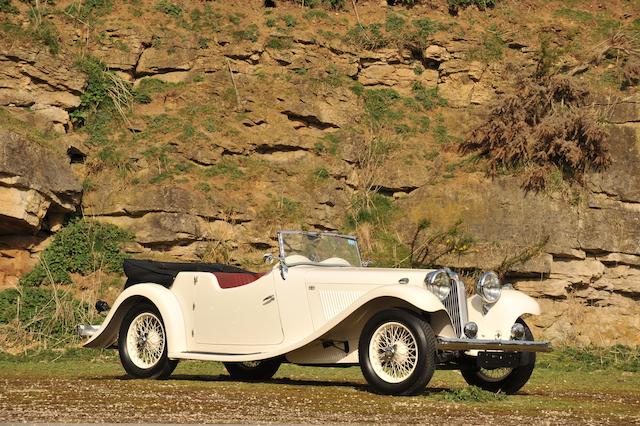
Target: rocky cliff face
(256, 119)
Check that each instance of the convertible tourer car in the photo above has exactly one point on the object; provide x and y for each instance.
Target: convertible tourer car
(319, 305)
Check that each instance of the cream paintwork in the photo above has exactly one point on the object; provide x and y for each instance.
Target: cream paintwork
(497, 322)
(313, 303)
(167, 304)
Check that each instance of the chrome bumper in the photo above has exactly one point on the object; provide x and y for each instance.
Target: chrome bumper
(87, 330)
(449, 344)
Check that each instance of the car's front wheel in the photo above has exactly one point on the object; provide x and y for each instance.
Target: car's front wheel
(142, 344)
(397, 351)
(253, 370)
(505, 380)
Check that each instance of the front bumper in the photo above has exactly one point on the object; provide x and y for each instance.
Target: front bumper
(451, 344)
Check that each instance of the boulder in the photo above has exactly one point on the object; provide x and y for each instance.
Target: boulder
(33, 183)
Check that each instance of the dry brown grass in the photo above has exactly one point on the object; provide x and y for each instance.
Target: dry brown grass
(548, 124)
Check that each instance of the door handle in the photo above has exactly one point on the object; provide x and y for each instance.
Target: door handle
(268, 299)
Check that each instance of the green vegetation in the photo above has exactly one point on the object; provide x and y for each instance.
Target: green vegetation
(329, 143)
(378, 105)
(394, 32)
(429, 245)
(440, 131)
(250, 33)
(49, 315)
(590, 358)
(104, 92)
(377, 211)
(225, 167)
(280, 210)
(169, 8)
(150, 86)
(321, 173)
(274, 42)
(428, 98)
(599, 25)
(83, 246)
(88, 10)
(7, 7)
(455, 5)
(471, 394)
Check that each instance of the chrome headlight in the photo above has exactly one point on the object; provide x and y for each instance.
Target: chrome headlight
(438, 283)
(489, 287)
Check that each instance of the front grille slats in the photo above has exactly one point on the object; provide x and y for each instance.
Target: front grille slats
(452, 304)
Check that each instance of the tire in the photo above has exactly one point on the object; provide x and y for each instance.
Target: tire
(141, 322)
(397, 352)
(509, 383)
(253, 370)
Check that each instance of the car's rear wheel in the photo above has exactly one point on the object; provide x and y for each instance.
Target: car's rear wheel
(253, 370)
(142, 344)
(397, 352)
(505, 380)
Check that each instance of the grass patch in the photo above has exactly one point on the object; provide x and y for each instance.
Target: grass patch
(250, 33)
(589, 358)
(88, 10)
(225, 167)
(274, 42)
(471, 394)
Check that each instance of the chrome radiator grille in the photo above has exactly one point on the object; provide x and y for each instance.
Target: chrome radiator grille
(453, 303)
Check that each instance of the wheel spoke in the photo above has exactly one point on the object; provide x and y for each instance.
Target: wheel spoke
(145, 340)
(393, 352)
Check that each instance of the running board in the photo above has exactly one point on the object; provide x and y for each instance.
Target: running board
(449, 344)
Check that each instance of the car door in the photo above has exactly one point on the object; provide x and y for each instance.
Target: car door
(244, 315)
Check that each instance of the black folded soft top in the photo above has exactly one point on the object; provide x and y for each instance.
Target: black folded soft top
(164, 273)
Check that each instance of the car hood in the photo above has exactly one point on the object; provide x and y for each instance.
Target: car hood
(352, 275)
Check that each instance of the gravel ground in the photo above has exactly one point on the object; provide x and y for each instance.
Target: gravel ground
(203, 393)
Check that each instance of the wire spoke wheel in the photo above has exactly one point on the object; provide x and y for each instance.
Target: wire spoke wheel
(494, 375)
(145, 340)
(393, 352)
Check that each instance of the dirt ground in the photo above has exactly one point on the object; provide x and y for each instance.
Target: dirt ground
(96, 390)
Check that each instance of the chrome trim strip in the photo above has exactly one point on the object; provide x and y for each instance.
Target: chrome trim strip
(87, 330)
(449, 344)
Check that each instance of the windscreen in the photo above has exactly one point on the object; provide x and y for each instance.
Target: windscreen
(319, 248)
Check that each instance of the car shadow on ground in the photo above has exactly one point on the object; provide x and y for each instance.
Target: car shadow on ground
(362, 387)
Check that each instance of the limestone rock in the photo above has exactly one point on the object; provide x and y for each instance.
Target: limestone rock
(622, 177)
(436, 53)
(120, 46)
(34, 78)
(33, 182)
(172, 55)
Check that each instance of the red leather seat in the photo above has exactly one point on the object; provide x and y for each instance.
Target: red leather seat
(235, 279)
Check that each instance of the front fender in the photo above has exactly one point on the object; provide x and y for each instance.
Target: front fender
(497, 322)
(163, 299)
(419, 297)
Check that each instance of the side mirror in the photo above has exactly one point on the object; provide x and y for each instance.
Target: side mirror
(366, 263)
(267, 258)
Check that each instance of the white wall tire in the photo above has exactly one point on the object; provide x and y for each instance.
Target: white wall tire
(397, 352)
(142, 344)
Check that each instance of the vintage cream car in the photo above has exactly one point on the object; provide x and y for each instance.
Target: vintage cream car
(320, 306)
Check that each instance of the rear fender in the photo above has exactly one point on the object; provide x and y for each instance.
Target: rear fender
(162, 298)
